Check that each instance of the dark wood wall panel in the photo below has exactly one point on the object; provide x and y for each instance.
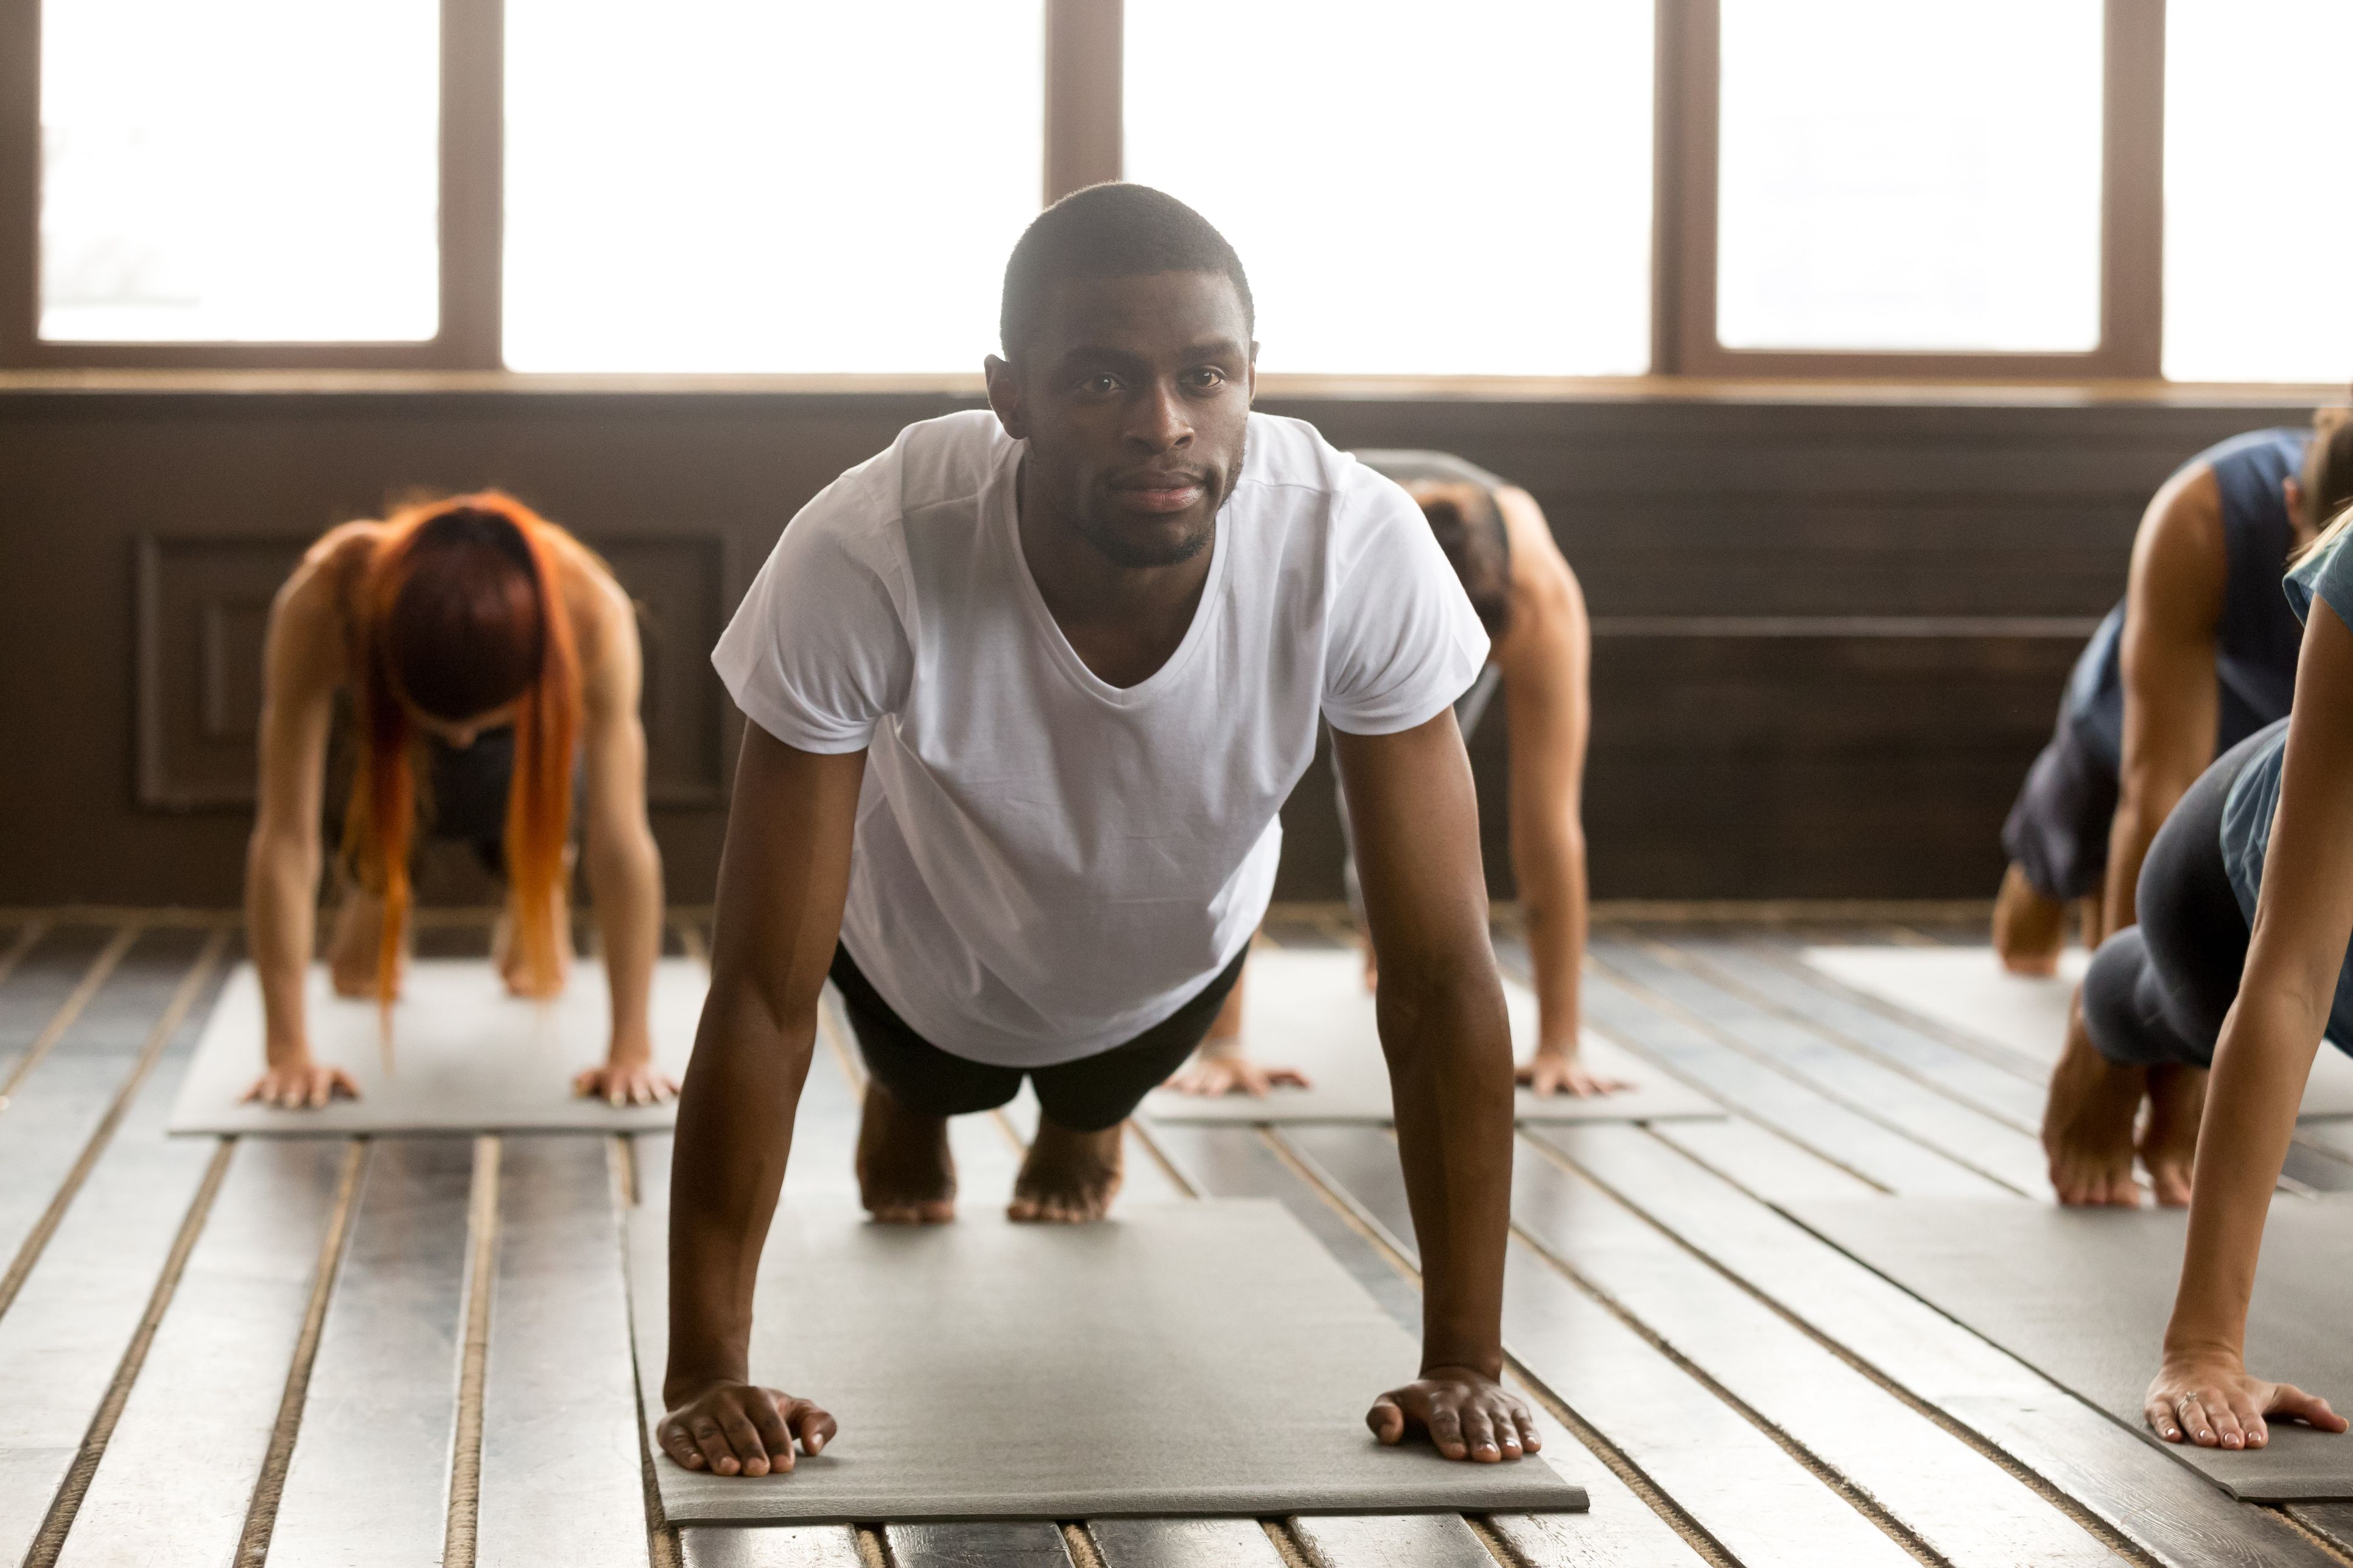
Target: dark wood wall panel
(140, 532)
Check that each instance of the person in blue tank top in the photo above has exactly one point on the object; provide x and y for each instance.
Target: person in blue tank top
(2201, 654)
(2242, 961)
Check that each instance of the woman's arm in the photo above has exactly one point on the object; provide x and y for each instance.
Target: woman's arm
(1546, 656)
(302, 658)
(2304, 920)
(624, 863)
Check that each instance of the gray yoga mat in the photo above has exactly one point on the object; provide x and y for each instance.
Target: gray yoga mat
(1182, 1359)
(465, 1057)
(1966, 989)
(2082, 1295)
(1311, 1011)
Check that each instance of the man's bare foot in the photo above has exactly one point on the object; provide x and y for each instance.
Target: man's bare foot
(1069, 1178)
(2029, 929)
(2087, 1123)
(905, 1174)
(2169, 1135)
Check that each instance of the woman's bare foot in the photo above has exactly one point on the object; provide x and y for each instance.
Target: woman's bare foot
(506, 951)
(905, 1174)
(2029, 929)
(2087, 1123)
(2169, 1137)
(1069, 1178)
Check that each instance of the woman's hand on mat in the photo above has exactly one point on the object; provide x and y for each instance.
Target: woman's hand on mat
(625, 1083)
(733, 1428)
(1465, 1414)
(1551, 1072)
(1214, 1072)
(301, 1085)
(2215, 1403)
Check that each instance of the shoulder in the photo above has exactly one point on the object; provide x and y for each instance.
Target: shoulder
(1547, 602)
(1291, 475)
(317, 589)
(603, 617)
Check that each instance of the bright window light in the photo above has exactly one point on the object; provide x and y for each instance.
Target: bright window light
(1895, 176)
(757, 185)
(1413, 189)
(239, 171)
(2255, 224)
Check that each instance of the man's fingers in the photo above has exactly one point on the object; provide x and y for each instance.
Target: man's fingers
(814, 1425)
(2294, 1404)
(678, 1445)
(714, 1446)
(1387, 1420)
(1530, 1440)
(775, 1435)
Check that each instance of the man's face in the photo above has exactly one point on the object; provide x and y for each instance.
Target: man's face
(1134, 396)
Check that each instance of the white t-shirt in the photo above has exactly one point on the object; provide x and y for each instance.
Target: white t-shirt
(1046, 865)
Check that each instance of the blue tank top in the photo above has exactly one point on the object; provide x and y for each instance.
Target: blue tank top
(2255, 645)
(2326, 574)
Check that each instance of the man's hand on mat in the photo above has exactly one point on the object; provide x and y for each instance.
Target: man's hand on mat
(2215, 1403)
(1215, 1073)
(625, 1083)
(733, 1428)
(1465, 1414)
(304, 1085)
(1559, 1072)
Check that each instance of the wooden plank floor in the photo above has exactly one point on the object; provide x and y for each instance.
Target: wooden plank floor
(416, 1351)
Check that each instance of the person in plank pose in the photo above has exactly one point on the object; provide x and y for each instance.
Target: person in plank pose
(1027, 691)
(479, 646)
(2241, 962)
(2201, 654)
(1496, 539)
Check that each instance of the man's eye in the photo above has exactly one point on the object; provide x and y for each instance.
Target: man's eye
(1208, 378)
(1100, 385)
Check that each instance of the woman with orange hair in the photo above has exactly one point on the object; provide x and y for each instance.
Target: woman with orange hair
(488, 653)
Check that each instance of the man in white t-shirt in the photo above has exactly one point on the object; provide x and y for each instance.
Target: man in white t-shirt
(1027, 691)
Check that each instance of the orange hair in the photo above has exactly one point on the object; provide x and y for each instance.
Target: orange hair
(381, 822)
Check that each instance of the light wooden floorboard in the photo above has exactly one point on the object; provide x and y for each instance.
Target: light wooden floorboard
(990, 1545)
(775, 1546)
(1410, 1541)
(64, 1336)
(1762, 1161)
(48, 989)
(1992, 1148)
(368, 1484)
(561, 1475)
(180, 1470)
(2161, 1505)
(1182, 1543)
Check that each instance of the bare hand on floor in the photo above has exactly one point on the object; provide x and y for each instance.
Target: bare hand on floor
(2217, 1404)
(305, 1085)
(1215, 1074)
(625, 1083)
(1465, 1414)
(732, 1428)
(1559, 1072)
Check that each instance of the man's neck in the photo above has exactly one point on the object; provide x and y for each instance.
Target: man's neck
(1123, 622)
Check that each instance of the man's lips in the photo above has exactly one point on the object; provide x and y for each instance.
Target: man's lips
(1158, 492)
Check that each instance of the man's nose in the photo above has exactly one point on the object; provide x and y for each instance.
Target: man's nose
(1160, 421)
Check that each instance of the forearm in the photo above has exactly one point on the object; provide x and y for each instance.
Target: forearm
(1449, 1046)
(281, 880)
(2259, 1067)
(734, 1140)
(624, 882)
(1551, 876)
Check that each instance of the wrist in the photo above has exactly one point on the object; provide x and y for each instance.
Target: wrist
(1558, 1050)
(279, 1054)
(629, 1050)
(679, 1387)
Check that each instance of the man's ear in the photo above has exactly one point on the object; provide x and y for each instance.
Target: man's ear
(2291, 492)
(1005, 396)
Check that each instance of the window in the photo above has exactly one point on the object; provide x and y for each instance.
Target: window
(1438, 190)
(238, 170)
(748, 186)
(2256, 225)
(1910, 177)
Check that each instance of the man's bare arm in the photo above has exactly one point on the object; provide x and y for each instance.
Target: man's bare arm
(302, 658)
(624, 862)
(1449, 1045)
(1546, 656)
(782, 880)
(2173, 607)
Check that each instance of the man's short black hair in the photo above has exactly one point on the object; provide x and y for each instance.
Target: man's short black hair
(1115, 230)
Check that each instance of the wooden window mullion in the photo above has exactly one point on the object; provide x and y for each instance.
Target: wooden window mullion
(1083, 90)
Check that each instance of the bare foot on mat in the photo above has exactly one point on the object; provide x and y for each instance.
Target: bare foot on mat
(2168, 1138)
(2087, 1123)
(1069, 1178)
(2029, 929)
(905, 1174)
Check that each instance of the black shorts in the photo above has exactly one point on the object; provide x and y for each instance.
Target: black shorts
(1083, 1096)
(2057, 833)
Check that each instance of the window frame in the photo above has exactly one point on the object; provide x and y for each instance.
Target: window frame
(1082, 144)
